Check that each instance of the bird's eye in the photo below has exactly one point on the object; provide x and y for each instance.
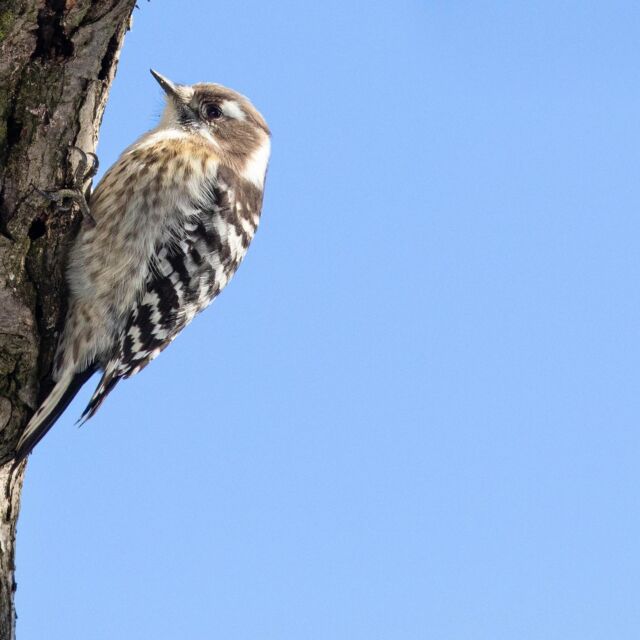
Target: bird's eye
(211, 111)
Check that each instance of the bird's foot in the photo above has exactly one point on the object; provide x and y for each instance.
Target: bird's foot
(86, 169)
(76, 193)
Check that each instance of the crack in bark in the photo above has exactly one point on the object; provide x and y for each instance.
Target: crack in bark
(52, 39)
(107, 60)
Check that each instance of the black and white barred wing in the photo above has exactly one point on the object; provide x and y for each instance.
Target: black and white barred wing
(185, 277)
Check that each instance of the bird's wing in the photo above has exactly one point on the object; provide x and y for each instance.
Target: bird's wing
(186, 276)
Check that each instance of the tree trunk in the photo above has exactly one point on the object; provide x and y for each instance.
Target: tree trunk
(57, 61)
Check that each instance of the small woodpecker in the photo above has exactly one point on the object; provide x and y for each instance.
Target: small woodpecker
(169, 224)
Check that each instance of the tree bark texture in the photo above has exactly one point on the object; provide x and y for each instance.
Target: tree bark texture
(57, 61)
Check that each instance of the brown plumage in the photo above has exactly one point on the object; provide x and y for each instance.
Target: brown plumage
(174, 217)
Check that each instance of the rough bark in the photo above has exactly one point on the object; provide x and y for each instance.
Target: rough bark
(57, 61)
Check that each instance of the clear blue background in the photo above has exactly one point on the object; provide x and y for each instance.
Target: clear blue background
(414, 412)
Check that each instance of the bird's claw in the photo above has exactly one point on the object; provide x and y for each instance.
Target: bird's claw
(46, 194)
(87, 167)
(64, 198)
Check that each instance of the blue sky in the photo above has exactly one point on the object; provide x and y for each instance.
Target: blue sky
(413, 414)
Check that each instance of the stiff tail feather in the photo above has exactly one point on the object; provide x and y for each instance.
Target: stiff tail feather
(107, 383)
(49, 411)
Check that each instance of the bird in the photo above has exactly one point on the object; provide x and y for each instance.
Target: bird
(169, 224)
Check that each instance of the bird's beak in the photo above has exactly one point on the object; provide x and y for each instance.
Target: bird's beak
(170, 88)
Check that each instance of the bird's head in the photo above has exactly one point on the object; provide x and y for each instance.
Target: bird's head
(224, 118)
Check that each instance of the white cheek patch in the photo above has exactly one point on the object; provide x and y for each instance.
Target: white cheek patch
(256, 166)
(232, 109)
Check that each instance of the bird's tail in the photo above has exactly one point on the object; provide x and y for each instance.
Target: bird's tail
(104, 388)
(49, 411)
